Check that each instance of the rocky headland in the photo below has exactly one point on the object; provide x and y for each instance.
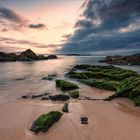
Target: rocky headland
(123, 60)
(27, 55)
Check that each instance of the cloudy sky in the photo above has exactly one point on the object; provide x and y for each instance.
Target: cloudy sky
(70, 26)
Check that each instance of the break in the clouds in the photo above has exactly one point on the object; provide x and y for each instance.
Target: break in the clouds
(106, 25)
(10, 20)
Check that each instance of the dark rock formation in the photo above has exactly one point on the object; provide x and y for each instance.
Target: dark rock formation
(51, 57)
(27, 55)
(123, 60)
(7, 57)
(59, 97)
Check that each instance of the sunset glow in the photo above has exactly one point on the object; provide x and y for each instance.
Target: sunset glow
(58, 17)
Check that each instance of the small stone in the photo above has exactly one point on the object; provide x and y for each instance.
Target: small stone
(84, 120)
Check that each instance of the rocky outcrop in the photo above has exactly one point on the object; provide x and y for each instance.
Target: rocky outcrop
(27, 55)
(51, 57)
(7, 57)
(123, 60)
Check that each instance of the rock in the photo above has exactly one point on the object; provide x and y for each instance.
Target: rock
(74, 94)
(7, 57)
(59, 97)
(50, 77)
(84, 120)
(82, 66)
(137, 101)
(129, 88)
(65, 85)
(51, 57)
(45, 98)
(25, 97)
(65, 108)
(45, 121)
(41, 57)
(28, 55)
(40, 95)
(122, 60)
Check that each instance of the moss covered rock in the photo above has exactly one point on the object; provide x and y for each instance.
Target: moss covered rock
(137, 100)
(103, 84)
(74, 94)
(103, 72)
(59, 97)
(129, 87)
(65, 108)
(65, 85)
(45, 121)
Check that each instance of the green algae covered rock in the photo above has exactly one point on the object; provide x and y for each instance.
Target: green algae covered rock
(65, 108)
(129, 87)
(102, 72)
(65, 85)
(74, 94)
(103, 84)
(45, 121)
(59, 97)
(137, 100)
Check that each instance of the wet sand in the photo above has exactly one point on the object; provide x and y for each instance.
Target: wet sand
(115, 120)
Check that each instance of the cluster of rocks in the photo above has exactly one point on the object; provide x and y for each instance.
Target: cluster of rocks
(27, 55)
(123, 60)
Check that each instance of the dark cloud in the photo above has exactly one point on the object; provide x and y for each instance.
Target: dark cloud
(37, 26)
(10, 15)
(106, 25)
(10, 20)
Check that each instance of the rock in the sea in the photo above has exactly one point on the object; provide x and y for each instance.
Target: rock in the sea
(45, 121)
(123, 60)
(41, 57)
(28, 55)
(65, 85)
(51, 57)
(84, 120)
(7, 57)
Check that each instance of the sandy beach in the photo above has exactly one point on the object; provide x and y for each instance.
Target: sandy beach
(115, 120)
